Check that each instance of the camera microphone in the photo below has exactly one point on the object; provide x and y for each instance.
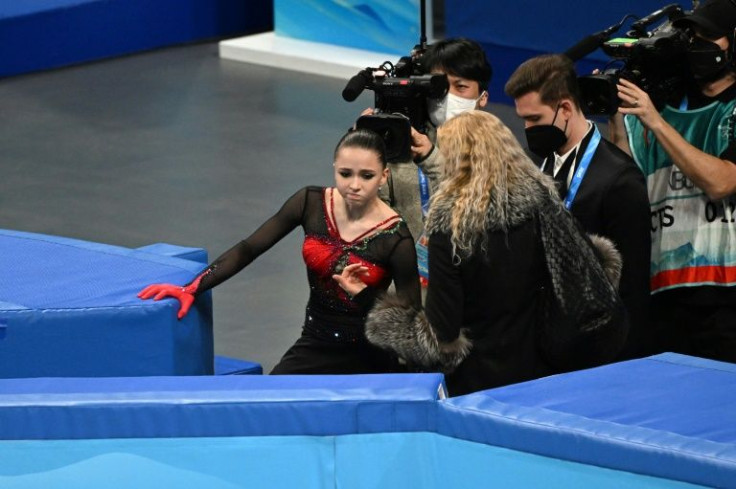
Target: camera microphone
(592, 42)
(586, 46)
(356, 85)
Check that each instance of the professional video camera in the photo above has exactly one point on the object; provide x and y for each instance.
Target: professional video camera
(401, 93)
(653, 60)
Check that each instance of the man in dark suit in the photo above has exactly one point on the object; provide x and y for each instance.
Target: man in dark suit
(600, 184)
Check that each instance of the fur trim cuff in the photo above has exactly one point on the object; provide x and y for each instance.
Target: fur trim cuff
(609, 257)
(396, 326)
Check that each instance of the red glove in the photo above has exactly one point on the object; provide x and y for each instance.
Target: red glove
(184, 295)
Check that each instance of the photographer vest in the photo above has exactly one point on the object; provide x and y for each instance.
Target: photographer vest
(693, 238)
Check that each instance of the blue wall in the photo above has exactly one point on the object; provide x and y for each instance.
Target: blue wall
(52, 33)
(386, 26)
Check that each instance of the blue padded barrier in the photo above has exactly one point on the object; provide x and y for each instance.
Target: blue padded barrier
(249, 405)
(43, 34)
(184, 252)
(367, 431)
(69, 308)
(666, 421)
(669, 416)
(369, 461)
(429, 460)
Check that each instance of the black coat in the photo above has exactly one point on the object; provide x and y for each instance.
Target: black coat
(482, 321)
(494, 297)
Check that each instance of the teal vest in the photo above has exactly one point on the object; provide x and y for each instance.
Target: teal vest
(693, 238)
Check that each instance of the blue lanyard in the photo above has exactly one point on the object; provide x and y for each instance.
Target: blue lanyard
(582, 168)
(683, 104)
(423, 192)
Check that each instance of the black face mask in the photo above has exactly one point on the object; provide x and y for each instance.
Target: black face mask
(707, 60)
(545, 139)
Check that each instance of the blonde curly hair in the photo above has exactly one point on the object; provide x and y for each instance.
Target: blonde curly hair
(483, 160)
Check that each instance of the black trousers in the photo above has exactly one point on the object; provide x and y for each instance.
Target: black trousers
(312, 355)
(707, 331)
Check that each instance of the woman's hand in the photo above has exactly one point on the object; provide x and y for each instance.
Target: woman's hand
(160, 291)
(351, 279)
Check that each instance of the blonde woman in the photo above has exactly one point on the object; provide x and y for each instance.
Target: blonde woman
(487, 265)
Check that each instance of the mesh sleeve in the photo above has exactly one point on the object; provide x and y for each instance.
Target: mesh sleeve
(405, 276)
(239, 256)
(405, 273)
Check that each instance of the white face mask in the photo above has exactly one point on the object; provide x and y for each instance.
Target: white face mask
(444, 109)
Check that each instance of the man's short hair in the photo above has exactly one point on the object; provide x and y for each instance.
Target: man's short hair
(459, 57)
(552, 75)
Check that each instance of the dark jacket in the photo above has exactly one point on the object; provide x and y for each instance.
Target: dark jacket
(481, 322)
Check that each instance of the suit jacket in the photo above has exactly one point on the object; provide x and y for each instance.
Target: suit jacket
(612, 201)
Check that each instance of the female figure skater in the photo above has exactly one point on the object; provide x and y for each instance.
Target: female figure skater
(349, 235)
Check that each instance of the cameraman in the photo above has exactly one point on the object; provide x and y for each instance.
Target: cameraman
(469, 73)
(688, 156)
(600, 184)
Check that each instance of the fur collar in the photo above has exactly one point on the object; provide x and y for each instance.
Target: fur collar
(526, 196)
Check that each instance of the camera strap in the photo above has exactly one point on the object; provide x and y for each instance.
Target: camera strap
(577, 179)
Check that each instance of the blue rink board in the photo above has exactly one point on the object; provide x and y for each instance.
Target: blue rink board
(631, 424)
(231, 405)
(670, 416)
(69, 308)
(365, 431)
(378, 461)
